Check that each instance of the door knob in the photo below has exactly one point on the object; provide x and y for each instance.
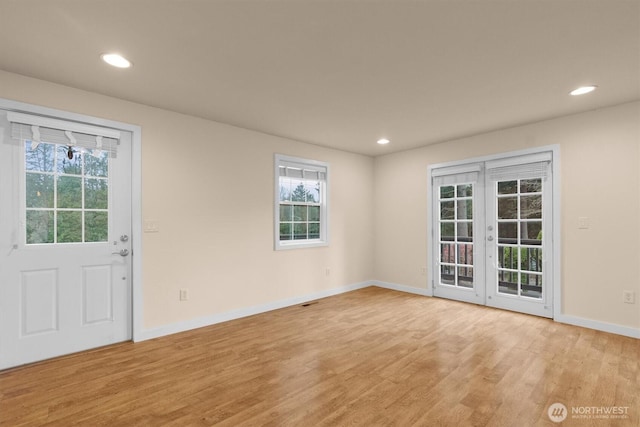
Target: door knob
(122, 252)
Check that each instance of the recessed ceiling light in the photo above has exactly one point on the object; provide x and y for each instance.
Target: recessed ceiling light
(116, 60)
(582, 90)
(383, 141)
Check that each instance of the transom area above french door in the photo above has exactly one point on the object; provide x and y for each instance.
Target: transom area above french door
(492, 231)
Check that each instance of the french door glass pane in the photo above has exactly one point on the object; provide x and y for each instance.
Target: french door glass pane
(456, 225)
(448, 274)
(447, 253)
(465, 277)
(508, 208)
(519, 248)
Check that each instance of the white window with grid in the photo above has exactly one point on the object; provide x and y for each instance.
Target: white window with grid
(301, 188)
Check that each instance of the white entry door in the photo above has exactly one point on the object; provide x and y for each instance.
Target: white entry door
(492, 230)
(65, 227)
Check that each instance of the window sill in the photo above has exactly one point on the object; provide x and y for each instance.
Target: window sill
(292, 244)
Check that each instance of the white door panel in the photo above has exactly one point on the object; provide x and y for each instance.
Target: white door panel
(64, 287)
(459, 235)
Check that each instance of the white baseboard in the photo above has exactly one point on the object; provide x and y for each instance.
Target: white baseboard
(627, 331)
(250, 311)
(401, 288)
(242, 312)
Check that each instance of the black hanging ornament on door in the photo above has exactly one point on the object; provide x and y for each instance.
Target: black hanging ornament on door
(70, 153)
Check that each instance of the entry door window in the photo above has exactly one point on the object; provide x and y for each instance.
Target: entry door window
(66, 194)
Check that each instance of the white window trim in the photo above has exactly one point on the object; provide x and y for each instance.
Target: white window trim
(281, 160)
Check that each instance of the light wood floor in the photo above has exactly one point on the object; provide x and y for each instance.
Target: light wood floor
(370, 357)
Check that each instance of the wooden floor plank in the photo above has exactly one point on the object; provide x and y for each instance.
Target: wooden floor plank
(369, 357)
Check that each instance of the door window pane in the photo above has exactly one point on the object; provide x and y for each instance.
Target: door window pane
(465, 190)
(66, 165)
(97, 164)
(39, 159)
(507, 208)
(39, 190)
(465, 277)
(531, 207)
(447, 232)
(465, 232)
(531, 185)
(508, 257)
(507, 282)
(96, 225)
(465, 254)
(531, 259)
(69, 192)
(507, 232)
(465, 209)
(531, 285)
(531, 232)
(39, 227)
(447, 253)
(96, 193)
(507, 187)
(448, 274)
(447, 192)
(447, 210)
(69, 226)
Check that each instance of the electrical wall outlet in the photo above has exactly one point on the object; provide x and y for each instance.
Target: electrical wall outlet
(327, 271)
(629, 297)
(184, 294)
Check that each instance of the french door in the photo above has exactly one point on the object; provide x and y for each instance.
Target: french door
(65, 222)
(492, 229)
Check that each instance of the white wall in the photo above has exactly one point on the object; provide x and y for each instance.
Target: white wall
(600, 160)
(216, 219)
(216, 225)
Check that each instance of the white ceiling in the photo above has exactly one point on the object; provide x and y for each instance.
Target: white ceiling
(338, 73)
